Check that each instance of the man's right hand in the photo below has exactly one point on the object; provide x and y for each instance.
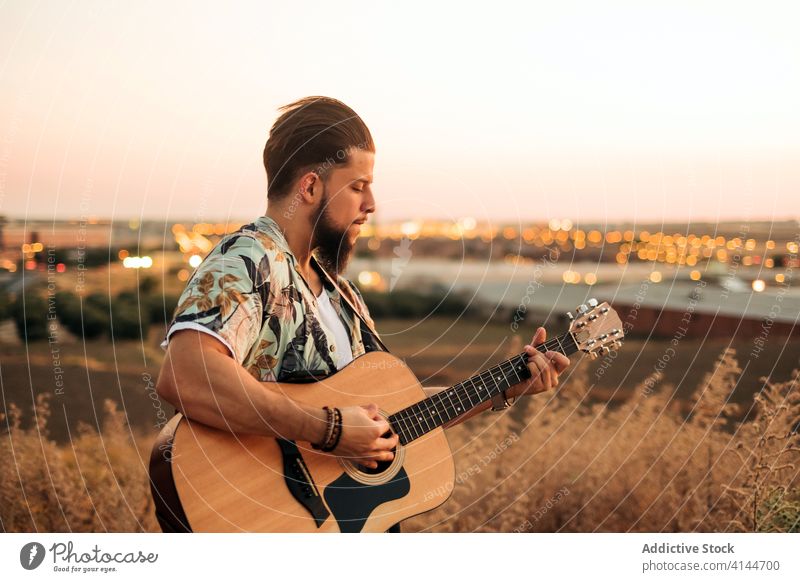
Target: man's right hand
(362, 440)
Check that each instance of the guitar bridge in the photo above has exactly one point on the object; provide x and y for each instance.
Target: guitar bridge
(300, 483)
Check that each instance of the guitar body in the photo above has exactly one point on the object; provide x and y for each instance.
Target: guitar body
(227, 482)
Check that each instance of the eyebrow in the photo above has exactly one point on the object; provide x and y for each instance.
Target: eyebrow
(363, 180)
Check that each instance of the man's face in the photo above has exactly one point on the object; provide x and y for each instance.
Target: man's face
(347, 200)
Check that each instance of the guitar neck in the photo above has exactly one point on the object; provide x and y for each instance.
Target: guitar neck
(424, 416)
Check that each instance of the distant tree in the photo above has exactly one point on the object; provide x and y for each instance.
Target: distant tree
(93, 323)
(99, 300)
(161, 307)
(29, 311)
(5, 305)
(127, 320)
(87, 320)
(148, 285)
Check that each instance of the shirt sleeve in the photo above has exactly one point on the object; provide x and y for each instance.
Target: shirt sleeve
(197, 327)
(227, 294)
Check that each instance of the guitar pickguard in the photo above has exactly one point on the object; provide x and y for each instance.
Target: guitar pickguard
(352, 502)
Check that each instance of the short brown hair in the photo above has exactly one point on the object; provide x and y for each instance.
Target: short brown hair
(312, 134)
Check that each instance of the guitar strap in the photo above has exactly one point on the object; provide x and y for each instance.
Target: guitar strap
(347, 299)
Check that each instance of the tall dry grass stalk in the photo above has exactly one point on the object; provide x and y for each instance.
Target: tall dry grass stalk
(95, 483)
(550, 463)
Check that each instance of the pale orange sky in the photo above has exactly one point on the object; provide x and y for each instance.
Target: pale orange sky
(593, 111)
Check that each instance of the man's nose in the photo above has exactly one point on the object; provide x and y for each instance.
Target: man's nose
(368, 205)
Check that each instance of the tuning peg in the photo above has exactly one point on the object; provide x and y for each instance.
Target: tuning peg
(617, 344)
(570, 316)
(605, 350)
(593, 355)
(592, 303)
(582, 309)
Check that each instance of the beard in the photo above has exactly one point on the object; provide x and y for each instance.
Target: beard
(333, 247)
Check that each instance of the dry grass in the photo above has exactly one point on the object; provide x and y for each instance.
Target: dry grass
(642, 466)
(546, 465)
(95, 483)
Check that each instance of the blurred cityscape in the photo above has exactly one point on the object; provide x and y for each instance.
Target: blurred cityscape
(734, 272)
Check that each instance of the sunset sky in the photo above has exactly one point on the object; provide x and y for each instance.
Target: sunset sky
(592, 111)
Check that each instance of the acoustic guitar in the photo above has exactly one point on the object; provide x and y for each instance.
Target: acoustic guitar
(209, 480)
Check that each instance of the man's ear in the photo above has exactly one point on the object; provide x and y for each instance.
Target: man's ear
(309, 187)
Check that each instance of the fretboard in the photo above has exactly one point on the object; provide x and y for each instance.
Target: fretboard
(424, 416)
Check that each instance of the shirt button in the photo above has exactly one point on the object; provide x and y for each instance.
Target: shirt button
(333, 348)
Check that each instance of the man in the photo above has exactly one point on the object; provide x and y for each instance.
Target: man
(259, 313)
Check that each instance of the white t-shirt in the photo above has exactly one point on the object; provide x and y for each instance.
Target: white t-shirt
(341, 350)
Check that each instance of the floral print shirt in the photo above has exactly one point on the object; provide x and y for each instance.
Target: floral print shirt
(249, 293)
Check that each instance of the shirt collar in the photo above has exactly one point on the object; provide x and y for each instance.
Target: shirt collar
(269, 227)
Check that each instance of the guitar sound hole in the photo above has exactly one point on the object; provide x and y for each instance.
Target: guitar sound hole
(382, 465)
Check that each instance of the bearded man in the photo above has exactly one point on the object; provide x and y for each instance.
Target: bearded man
(269, 306)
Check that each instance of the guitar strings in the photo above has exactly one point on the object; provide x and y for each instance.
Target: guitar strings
(437, 409)
(412, 420)
(444, 412)
(461, 387)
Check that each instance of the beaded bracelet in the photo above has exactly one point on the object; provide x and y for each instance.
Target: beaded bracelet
(329, 428)
(333, 431)
(337, 430)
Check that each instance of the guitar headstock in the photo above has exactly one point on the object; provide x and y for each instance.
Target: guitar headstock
(596, 328)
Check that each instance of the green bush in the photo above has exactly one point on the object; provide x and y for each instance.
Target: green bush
(5, 305)
(68, 308)
(99, 300)
(94, 323)
(29, 311)
(127, 321)
(148, 285)
(126, 316)
(155, 307)
(89, 321)
(161, 307)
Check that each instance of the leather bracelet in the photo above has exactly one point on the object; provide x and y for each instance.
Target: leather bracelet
(500, 402)
(337, 431)
(333, 432)
(329, 429)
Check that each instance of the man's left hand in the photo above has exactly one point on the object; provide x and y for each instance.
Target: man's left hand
(544, 367)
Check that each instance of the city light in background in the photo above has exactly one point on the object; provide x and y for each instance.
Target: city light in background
(585, 253)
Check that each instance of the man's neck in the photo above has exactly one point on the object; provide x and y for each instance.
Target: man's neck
(297, 233)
